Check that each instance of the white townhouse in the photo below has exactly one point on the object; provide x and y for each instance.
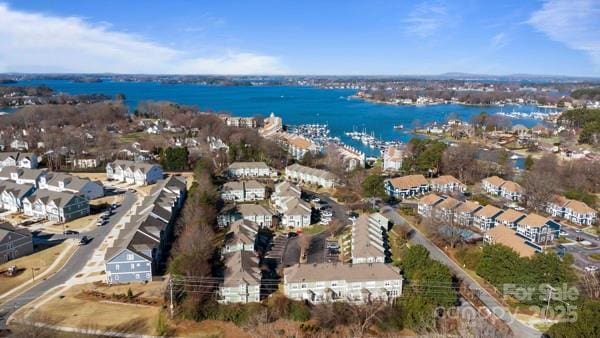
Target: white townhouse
(12, 195)
(18, 159)
(538, 229)
(22, 175)
(295, 212)
(243, 191)
(447, 184)
(464, 213)
(426, 204)
(14, 243)
(249, 169)
(392, 158)
(407, 186)
(58, 207)
(68, 183)
(241, 236)
(485, 218)
(299, 146)
(446, 210)
(354, 283)
(318, 177)
(284, 190)
(509, 190)
(241, 279)
(369, 239)
(138, 173)
(252, 212)
(574, 211)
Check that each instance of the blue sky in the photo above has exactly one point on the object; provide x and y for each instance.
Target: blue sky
(558, 37)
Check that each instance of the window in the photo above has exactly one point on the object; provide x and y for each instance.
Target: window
(148, 275)
(116, 277)
(117, 267)
(137, 276)
(333, 284)
(303, 286)
(132, 266)
(130, 257)
(387, 283)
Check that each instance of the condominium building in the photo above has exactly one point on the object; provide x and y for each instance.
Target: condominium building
(369, 239)
(138, 173)
(392, 158)
(243, 191)
(241, 278)
(485, 218)
(318, 177)
(407, 186)
(447, 184)
(248, 169)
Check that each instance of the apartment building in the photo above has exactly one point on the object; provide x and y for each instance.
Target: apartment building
(318, 177)
(58, 207)
(138, 173)
(574, 211)
(251, 212)
(14, 243)
(243, 191)
(241, 278)
(509, 190)
(445, 211)
(355, 283)
(426, 204)
(509, 218)
(69, 183)
(248, 169)
(507, 237)
(18, 159)
(407, 186)
(22, 175)
(392, 158)
(241, 236)
(13, 194)
(369, 239)
(485, 218)
(464, 213)
(447, 184)
(538, 229)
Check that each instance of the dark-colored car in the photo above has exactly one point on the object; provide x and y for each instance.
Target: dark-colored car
(84, 240)
(70, 232)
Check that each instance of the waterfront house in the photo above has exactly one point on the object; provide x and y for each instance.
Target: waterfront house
(574, 211)
(447, 184)
(248, 169)
(538, 229)
(139, 251)
(303, 174)
(251, 212)
(58, 207)
(369, 239)
(426, 204)
(407, 186)
(12, 195)
(354, 283)
(509, 218)
(138, 173)
(392, 158)
(299, 146)
(465, 212)
(68, 183)
(22, 175)
(445, 210)
(485, 218)
(507, 237)
(14, 243)
(241, 236)
(241, 278)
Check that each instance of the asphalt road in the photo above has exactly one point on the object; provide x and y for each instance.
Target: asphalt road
(75, 264)
(581, 253)
(519, 329)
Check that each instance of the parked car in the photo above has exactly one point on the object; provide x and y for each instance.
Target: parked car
(115, 205)
(292, 234)
(327, 214)
(591, 268)
(563, 233)
(101, 221)
(332, 245)
(70, 232)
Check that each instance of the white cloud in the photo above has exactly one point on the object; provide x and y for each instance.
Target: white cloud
(32, 42)
(499, 40)
(426, 19)
(575, 23)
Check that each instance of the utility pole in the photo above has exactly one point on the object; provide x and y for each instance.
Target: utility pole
(171, 295)
(549, 297)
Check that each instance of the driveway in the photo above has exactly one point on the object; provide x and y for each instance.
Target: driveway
(519, 329)
(72, 267)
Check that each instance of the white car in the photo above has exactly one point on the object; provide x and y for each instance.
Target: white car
(591, 268)
(327, 214)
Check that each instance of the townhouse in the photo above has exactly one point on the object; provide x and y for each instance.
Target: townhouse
(538, 229)
(68, 183)
(369, 239)
(509, 190)
(248, 169)
(284, 190)
(445, 210)
(354, 283)
(485, 218)
(22, 175)
(18, 159)
(243, 191)
(509, 218)
(407, 186)
(447, 184)
(392, 158)
(12, 195)
(426, 204)
(574, 211)
(318, 177)
(464, 213)
(241, 278)
(58, 207)
(251, 212)
(14, 243)
(241, 236)
(507, 237)
(138, 173)
(299, 146)
(295, 212)
(139, 251)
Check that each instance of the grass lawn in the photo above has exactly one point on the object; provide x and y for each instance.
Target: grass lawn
(71, 308)
(40, 261)
(595, 256)
(314, 229)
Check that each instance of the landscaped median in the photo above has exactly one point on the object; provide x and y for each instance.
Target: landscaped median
(34, 267)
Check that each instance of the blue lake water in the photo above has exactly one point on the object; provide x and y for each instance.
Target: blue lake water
(294, 104)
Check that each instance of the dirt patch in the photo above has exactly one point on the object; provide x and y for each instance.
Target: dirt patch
(208, 328)
(129, 298)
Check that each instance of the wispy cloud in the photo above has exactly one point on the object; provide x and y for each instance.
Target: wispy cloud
(33, 42)
(499, 40)
(575, 23)
(426, 19)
